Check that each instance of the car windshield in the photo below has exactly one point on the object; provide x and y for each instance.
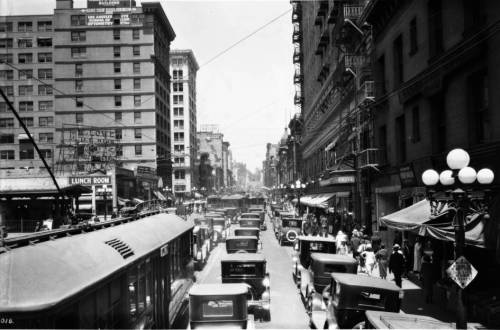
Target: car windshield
(370, 299)
(250, 216)
(292, 223)
(217, 308)
(329, 268)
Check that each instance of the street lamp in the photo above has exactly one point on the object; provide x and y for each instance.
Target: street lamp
(457, 190)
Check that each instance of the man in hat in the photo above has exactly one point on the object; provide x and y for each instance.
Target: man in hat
(397, 264)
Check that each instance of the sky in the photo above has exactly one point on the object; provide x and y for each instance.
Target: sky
(248, 91)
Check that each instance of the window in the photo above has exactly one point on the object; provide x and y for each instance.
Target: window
(6, 43)
(45, 73)
(6, 154)
(78, 70)
(118, 116)
(46, 137)
(78, 20)
(78, 85)
(45, 106)
(3, 107)
(474, 16)
(136, 67)
(6, 138)
(179, 124)
(479, 117)
(136, 34)
(117, 67)
(413, 36)
(180, 174)
(44, 42)
(400, 139)
(44, 26)
(138, 133)
(179, 147)
(6, 27)
(45, 90)
(28, 121)
(25, 74)
(180, 188)
(438, 121)
(44, 57)
(178, 111)
(25, 106)
(79, 102)
(178, 87)
(136, 50)
(25, 27)
(116, 19)
(119, 151)
(177, 74)
(179, 137)
(137, 100)
(45, 121)
(435, 24)
(116, 34)
(118, 133)
(78, 52)
(118, 84)
(23, 58)
(24, 43)
(118, 101)
(79, 118)
(415, 136)
(9, 90)
(26, 150)
(46, 153)
(137, 117)
(178, 99)
(6, 75)
(25, 90)
(137, 83)
(179, 160)
(6, 58)
(78, 36)
(116, 51)
(6, 122)
(397, 51)
(138, 149)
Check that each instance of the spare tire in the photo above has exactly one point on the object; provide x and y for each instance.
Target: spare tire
(291, 235)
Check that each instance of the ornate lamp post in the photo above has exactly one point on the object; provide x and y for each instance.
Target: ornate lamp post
(457, 190)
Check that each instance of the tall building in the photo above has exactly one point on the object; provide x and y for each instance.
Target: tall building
(210, 143)
(183, 68)
(27, 77)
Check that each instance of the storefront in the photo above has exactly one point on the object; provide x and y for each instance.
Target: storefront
(147, 182)
(102, 199)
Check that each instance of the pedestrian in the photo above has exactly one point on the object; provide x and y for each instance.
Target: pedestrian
(382, 256)
(427, 278)
(342, 249)
(397, 264)
(355, 242)
(417, 256)
(407, 255)
(340, 238)
(369, 259)
(38, 226)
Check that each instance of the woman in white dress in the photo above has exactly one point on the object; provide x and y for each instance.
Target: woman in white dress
(417, 256)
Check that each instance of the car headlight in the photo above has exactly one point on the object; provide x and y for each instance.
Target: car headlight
(294, 259)
(266, 282)
(300, 267)
(266, 295)
(401, 294)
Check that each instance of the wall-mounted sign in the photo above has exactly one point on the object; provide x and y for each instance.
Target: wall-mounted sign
(90, 180)
(146, 172)
(164, 250)
(407, 176)
(338, 179)
(110, 3)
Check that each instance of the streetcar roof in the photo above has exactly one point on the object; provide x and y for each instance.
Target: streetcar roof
(243, 257)
(219, 289)
(39, 276)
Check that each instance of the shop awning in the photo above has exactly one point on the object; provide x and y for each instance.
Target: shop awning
(123, 201)
(317, 200)
(137, 201)
(159, 195)
(417, 218)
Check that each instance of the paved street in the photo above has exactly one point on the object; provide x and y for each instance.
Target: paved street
(287, 310)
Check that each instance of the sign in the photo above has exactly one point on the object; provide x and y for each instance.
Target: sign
(90, 180)
(462, 272)
(110, 3)
(146, 172)
(340, 179)
(164, 250)
(407, 176)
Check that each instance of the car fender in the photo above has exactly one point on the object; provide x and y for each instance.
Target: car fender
(318, 311)
(305, 281)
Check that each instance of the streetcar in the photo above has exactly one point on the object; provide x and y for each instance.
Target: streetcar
(130, 274)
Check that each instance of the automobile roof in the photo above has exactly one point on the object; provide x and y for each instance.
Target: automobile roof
(364, 281)
(247, 213)
(240, 237)
(243, 257)
(39, 276)
(311, 238)
(220, 289)
(385, 320)
(330, 257)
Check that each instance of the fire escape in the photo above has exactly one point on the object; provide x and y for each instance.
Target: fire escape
(298, 77)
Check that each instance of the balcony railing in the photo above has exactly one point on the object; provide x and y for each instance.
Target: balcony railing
(353, 12)
(372, 157)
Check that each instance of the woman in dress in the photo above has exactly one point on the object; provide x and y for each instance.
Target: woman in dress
(417, 256)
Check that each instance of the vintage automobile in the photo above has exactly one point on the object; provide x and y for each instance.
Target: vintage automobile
(254, 223)
(231, 214)
(304, 247)
(317, 276)
(242, 244)
(219, 306)
(278, 216)
(221, 229)
(344, 301)
(208, 223)
(250, 268)
(288, 230)
(260, 211)
(249, 216)
(201, 246)
(389, 320)
(247, 231)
